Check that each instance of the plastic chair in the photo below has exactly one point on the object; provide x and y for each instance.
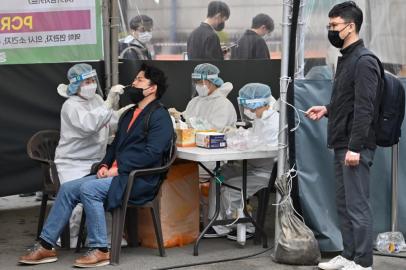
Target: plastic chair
(263, 200)
(41, 147)
(119, 214)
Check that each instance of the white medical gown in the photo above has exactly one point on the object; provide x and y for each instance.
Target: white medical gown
(84, 135)
(216, 109)
(258, 173)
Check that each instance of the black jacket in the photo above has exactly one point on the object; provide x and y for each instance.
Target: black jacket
(203, 43)
(132, 149)
(133, 51)
(351, 112)
(250, 46)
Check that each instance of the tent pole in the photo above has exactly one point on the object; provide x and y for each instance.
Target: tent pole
(284, 82)
(115, 24)
(106, 43)
(301, 39)
(394, 212)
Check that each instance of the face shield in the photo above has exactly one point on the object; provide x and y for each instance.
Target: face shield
(200, 84)
(75, 82)
(247, 107)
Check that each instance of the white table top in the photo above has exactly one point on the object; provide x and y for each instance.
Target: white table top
(203, 154)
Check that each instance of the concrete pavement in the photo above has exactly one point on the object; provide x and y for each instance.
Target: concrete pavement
(18, 221)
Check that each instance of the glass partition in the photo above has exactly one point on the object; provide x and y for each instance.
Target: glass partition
(174, 20)
(381, 31)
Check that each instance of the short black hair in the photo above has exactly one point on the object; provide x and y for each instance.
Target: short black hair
(350, 12)
(263, 19)
(218, 7)
(157, 77)
(141, 20)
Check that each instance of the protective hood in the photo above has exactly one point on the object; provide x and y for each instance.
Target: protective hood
(223, 90)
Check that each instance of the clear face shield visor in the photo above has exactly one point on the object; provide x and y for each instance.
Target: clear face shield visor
(247, 107)
(198, 82)
(87, 75)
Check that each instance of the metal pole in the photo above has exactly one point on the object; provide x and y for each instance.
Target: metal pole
(284, 82)
(301, 37)
(122, 19)
(115, 25)
(395, 159)
(106, 43)
(174, 17)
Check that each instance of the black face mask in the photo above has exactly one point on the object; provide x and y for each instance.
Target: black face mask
(220, 27)
(334, 38)
(135, 94)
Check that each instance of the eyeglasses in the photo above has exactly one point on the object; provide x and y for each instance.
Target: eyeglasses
(331, 26)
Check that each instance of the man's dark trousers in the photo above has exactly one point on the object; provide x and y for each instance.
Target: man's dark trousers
(353, 207)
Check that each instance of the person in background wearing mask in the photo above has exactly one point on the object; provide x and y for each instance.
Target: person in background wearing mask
(203, 43)
(252, 44)
(260, 107)
(211, 105)
(131, 149)
(134, 46)
(86, 121)
(351, 134)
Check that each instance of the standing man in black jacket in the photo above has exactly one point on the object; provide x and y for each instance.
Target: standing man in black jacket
(203, 43)
(252, 44)
(351, 134)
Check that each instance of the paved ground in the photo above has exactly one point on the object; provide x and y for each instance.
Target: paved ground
(18, 220)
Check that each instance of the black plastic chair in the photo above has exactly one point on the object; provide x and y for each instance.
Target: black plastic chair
(119, 214)
(263, 201)
(41, 147)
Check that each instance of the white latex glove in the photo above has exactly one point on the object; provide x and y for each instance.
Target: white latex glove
(114, 96)
(175, 113)
(118, 88)
(229, 129)
(62, 90)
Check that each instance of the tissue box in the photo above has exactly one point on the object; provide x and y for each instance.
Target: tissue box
(185, 137)
(210, 140)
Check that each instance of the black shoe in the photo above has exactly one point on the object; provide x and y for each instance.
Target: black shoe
(233, 235)
(211, 233)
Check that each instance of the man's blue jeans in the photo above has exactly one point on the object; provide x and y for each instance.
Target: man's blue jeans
(91, 192)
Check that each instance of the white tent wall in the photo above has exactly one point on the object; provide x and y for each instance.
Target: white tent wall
(388, 31)
(382, 31)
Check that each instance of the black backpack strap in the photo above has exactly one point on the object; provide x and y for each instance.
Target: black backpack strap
(364, 52)
(153, 108)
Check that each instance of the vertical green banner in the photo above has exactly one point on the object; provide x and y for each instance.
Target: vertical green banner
(50, 31)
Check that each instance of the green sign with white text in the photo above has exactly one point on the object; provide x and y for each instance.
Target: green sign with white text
(50, 31)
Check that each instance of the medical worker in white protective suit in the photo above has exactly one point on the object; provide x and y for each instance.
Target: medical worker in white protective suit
(211, 105)
(85, 124)
(259, 105)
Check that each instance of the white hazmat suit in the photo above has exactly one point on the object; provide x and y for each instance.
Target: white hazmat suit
(84, 136)
(258, 171)
(216, 109)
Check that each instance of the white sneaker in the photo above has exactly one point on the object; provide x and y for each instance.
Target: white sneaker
(354, 266)
(335, 263)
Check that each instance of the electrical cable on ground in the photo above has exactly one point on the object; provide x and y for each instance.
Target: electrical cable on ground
(215, 261)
